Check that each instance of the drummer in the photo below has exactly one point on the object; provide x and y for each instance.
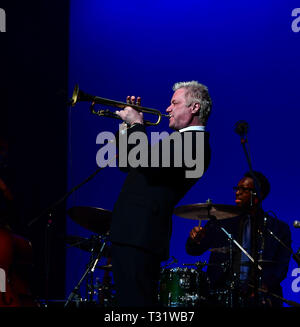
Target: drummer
(221, 270)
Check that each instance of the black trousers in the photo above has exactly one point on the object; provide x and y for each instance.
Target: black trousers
(136, 274)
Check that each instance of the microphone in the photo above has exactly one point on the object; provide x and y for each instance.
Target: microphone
(241, 127)
(296, 224)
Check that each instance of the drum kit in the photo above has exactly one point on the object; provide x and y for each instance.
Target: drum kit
(186, 286)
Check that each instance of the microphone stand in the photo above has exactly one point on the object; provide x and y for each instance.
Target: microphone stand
(64, 197)
(295, 256)
(49, 213)
(242, 129)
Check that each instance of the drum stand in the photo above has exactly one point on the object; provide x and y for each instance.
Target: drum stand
(89, 271)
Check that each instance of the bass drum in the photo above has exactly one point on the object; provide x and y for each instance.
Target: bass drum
(182, 287)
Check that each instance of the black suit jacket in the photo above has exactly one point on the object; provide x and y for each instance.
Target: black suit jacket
(142, 214)
(273, 273)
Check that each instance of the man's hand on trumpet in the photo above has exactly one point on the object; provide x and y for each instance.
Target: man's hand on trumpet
(129, 115)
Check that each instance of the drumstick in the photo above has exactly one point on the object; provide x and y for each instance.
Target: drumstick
(199, 225)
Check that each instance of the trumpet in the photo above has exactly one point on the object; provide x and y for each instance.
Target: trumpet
(79, 95)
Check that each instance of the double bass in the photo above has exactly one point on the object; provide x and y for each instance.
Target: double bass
(15, 262)
(15, 251)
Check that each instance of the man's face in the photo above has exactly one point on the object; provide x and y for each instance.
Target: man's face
(243, 193)
(180, 114)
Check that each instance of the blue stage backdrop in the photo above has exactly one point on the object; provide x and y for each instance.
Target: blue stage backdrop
(246, 52)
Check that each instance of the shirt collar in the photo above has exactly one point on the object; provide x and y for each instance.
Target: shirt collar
(193, 128)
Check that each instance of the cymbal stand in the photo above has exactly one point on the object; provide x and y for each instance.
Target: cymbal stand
(90, 269)
(90, 278)
(230, 238)
(261, 228)
(231, 286)
(231, 242)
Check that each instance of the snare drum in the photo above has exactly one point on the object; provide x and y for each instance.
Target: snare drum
(180, 287)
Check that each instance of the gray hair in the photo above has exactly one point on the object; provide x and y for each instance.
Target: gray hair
(196, 93)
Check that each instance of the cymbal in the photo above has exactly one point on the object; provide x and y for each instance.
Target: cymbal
(94, 219)
(204, 211)
(87, 244)
(82, 243)
(105, 267)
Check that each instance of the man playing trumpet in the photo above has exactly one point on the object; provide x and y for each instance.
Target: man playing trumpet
(142, 216)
